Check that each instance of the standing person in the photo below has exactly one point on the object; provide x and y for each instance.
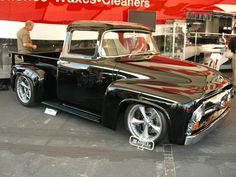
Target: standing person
(232, 47)
(24, 42)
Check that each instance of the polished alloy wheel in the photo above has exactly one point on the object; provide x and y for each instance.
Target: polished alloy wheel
(24, 91)
(144, 122)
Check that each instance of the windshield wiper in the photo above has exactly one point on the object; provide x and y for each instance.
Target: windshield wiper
(143, 53)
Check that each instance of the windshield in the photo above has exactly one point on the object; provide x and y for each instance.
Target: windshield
(120, 43)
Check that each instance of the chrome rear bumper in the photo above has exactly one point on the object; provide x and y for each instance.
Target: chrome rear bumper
(196, 137)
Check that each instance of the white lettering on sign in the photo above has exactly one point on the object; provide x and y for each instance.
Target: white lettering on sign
(128, 3)
(125, 3)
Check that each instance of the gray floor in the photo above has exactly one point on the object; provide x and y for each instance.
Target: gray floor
(33, 144)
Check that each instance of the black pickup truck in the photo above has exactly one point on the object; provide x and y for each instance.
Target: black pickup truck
(111, 71)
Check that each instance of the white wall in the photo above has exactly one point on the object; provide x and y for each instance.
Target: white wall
(8, 29)
(212, 26)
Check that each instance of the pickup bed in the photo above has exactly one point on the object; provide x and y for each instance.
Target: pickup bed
(111, 71)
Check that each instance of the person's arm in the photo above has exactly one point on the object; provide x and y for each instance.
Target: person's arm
(29, 45)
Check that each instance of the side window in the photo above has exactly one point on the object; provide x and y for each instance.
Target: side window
(83, 42)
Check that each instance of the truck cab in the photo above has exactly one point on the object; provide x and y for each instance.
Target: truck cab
(111, 71)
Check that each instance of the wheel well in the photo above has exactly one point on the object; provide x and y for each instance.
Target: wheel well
(13, 82)
(121, 113)
(124, 105)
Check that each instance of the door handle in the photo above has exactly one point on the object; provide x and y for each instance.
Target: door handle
(62, 62)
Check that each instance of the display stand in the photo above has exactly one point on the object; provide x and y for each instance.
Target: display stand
(175, 40)
(5, 67)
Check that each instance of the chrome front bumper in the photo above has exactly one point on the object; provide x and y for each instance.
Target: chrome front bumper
(196, 137)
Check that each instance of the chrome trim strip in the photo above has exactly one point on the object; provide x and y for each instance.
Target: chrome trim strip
(125, 89)
(192, 139)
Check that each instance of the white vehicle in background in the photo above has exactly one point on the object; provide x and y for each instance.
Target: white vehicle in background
(215, 56)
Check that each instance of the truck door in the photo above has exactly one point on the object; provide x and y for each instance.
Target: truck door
(82, 79)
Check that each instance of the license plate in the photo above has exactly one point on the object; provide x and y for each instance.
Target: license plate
(148, 145)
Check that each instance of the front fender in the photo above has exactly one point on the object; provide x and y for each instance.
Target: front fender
(118, 98)
(112, 104)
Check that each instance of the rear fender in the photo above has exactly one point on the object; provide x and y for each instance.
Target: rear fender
(35, 74)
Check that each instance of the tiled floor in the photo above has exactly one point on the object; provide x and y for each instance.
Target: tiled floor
(33, 144)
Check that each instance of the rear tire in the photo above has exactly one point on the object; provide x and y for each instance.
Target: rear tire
(145, 122)
(25, 91)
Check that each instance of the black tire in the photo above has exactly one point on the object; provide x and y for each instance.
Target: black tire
(25, 91)
(145, 122)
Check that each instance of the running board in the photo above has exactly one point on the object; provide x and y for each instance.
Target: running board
(73, 110)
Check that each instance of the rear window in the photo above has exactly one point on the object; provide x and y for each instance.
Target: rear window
(83, 42)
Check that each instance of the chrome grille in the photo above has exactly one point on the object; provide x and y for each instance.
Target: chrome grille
(218, 101)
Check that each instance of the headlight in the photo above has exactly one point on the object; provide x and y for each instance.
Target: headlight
(194, 122)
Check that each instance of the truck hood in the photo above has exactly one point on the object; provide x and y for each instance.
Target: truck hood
(172, 79)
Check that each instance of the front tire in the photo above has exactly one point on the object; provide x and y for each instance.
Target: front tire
(25, 91)
(145, 122)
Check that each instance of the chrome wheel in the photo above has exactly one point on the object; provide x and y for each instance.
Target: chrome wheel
(145, 122)
(24, 90)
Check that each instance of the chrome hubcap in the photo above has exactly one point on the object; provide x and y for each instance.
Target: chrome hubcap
(23, 89)
(144, 122)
